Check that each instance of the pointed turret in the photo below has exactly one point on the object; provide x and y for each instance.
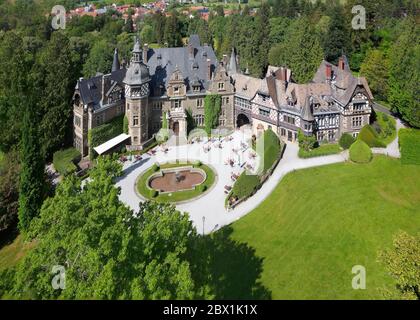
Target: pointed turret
(116, 61)
(307, 114)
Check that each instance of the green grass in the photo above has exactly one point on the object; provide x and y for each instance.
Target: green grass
(322, 150)
(63, 160)
(12, 253)
(175, 196)
(409, 140)
(320, 222)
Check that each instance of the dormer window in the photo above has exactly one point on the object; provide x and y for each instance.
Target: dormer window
(196, 88)
(176, 89)
(221, 85)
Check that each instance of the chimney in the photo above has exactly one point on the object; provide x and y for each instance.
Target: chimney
(341, 63)
(191, 51)
(209, 68)
(145, 51)
(328, 72)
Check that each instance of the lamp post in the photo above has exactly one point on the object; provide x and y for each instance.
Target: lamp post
(204, 219)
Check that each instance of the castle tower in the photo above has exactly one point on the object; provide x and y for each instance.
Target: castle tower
(137, 82)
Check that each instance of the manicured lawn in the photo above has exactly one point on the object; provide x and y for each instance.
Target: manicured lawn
(320, 222)
(175, 196)
(11, 253)
(322, 150)
(409, 140)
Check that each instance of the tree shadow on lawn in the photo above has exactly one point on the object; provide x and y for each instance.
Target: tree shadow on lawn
(229, 267)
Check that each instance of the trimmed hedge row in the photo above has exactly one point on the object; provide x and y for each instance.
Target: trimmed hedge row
(272, 148)
(245, 185)
(64, 160)
(360, 152)
(409, 141)
(322, 150)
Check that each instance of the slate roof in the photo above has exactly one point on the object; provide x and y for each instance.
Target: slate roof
(91, 89)
(163, 61)
(343, 82)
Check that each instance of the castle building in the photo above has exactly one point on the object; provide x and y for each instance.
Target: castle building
(173, 82)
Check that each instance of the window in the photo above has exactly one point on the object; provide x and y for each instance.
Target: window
(355, 134)
(358, 107)
(135, 120)
(176, 89)
(199, 119)
(157, 105)
(78, 143)
(221, 85)
(226, 100)
(199, 103)
(128, 106)
(77, 121)
(264, 112)
(221, 122)
(100, 119)
(308, 127)
(283, 132)
(289, 119)
(356, 122)
(222, 112)
(176, 104)
(196, 88)
(242, 103)
(331, 135)
(320, 135)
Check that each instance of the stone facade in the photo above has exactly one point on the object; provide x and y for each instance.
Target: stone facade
(175, 81)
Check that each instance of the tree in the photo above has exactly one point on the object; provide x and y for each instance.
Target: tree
(336, 40)
(172, 33)
(301, 51)
(403, 261)
(56, 81)
(99, 59)
(375, 68)
(212, 108)
(404, 75)
(32, 186)
(146, 34)
(306, 142)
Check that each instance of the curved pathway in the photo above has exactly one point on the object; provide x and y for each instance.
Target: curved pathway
(208, 213)
(391, 149)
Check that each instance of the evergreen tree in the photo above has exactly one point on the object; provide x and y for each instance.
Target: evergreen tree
(172, 34)
(301, 51)
(336, 40)
(376, 68)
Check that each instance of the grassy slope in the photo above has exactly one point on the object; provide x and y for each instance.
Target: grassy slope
(11, 253)
(320, 222)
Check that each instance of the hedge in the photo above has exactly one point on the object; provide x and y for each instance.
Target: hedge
(245, 185)
(64, 160)
(105, 132)
(346, 140)
(360, 152)
(212, 108)
(322, 150)
(409, 141)
(369, 135)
